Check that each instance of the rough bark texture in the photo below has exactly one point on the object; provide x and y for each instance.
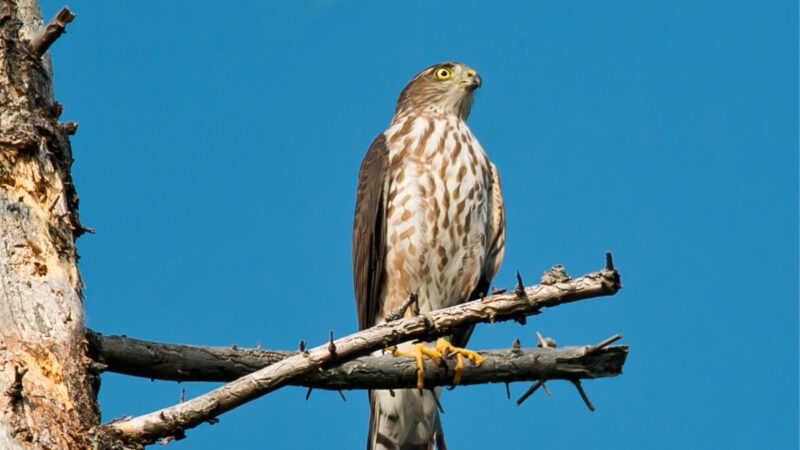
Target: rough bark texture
(175, 362)
(173, 421)
(46, 392)
(47, 382)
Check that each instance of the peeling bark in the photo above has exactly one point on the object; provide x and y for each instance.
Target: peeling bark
(48, 396)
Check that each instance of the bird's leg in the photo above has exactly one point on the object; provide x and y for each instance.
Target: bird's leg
(445, 348)
(418, 350)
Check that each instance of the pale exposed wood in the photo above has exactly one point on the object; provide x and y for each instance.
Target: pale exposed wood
(176, 419)
(30, 17)
(160, 361)
(47, 398)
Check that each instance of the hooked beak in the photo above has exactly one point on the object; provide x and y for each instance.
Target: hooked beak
(476, 82)
(473, 80)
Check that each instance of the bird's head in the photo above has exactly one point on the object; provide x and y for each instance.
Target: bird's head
(445, 87)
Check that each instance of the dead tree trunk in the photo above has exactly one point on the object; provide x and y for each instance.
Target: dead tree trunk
(46, 392)
(48, 379)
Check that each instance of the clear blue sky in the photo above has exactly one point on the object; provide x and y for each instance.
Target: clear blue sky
(217, 157)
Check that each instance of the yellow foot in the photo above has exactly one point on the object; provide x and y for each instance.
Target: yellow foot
(417, 351)
(445, 348)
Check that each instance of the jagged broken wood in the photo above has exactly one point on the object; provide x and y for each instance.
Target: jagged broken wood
(197, 363)
(174, 420)
(52, 31)
(550, 343)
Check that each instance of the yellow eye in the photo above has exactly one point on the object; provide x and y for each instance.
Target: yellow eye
(443, 73)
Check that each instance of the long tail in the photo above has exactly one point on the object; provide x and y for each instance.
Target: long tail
(404, 419)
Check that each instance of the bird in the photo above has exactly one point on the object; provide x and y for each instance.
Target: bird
(429, 221)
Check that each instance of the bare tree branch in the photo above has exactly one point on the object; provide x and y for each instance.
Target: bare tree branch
(52, 31)
(159, 361)
(176, 419)
(196, 363)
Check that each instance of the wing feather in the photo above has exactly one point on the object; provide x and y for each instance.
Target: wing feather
(369, 231)
(496, 233)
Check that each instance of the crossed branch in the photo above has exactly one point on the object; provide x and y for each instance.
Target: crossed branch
(304, 367)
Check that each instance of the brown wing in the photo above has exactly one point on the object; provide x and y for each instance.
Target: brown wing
(496, 232)
(369, 231)
(496, 237)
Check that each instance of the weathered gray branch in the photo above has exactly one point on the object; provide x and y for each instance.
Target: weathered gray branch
(196, 363)
(176, 362)
(502, 306)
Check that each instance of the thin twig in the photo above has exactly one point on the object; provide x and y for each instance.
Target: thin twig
(519, 289)
(536, 385)
(400, 311)
(545, 342)
(331, 345)
(585, 397)
(603, 344)
(438, 403)
(609, 261)
(540, 340)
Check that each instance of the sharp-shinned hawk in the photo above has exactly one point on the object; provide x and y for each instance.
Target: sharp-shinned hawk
(429, 220)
